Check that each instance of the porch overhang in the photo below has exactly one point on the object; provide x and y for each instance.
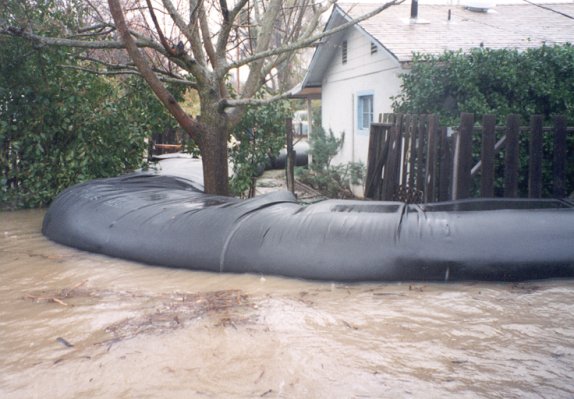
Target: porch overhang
(308, 93)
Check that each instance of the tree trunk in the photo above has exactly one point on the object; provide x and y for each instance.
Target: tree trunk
(214, 158)
(213, 146)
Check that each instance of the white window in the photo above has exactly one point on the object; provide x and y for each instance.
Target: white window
(364, 111)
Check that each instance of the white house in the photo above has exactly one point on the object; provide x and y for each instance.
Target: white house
(358, 70)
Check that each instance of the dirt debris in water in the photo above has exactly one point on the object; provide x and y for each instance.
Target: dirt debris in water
(160, 313)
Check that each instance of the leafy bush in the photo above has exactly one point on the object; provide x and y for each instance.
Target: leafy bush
(61, 126)
(259, 135)
(58, 124)
(485, 81)
(332, 181)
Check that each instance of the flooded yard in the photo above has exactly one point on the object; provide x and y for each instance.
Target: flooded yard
(75, 324)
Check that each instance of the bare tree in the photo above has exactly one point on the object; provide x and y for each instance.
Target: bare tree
(197, 44)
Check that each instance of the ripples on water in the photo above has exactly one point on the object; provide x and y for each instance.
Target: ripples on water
(141, 331)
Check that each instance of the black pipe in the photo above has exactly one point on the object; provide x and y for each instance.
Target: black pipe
(414, 9)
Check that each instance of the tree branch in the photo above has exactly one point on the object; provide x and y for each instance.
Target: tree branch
(141, 41)
(223, 37)
(162, 38)
(185, 121)
(128, 71)
(241, 102)
(190, 34)
(310, 40)
(162, 75)
(263, 41)
(61, 42)
(205, 33)
(224, 10)
(97, 27)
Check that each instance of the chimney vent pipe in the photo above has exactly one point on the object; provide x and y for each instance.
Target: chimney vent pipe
(414, 9)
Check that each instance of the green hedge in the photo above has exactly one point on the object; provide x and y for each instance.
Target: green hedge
(59, 126)
(485, 81)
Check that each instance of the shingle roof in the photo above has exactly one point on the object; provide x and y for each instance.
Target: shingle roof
(517, 26)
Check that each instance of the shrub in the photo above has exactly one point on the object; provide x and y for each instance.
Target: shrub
(259, 135)
(60, 126)
(332, 181)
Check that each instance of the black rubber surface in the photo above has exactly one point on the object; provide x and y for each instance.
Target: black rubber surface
(163, 220)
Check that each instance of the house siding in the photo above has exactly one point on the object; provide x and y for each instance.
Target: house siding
(363, 73)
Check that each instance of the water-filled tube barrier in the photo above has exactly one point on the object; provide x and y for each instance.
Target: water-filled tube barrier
(164, 220)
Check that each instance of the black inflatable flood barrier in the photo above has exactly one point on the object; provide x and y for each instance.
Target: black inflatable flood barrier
(164, 220)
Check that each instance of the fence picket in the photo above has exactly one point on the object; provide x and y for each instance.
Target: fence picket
(511, 159)
(421, 145)
(465, 156)
(535, 158)
(432, 148)
(559, 157)
(445, 165)
(413, 150)
(487, 156)
(392, 167)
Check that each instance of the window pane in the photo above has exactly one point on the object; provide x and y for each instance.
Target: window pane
(365, 111)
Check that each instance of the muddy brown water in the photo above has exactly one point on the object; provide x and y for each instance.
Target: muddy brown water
(79, 325)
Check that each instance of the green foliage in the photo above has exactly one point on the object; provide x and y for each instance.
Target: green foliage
(324, 148)
(535, 81)
(259, 135)
(61, 126)
(332, 181)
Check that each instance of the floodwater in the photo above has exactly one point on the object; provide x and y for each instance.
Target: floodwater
(79, 325)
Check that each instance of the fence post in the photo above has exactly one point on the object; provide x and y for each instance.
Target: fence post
(290, 164)
(445, 166)
(420, 178)
(392, 167)
(535, 158)
(378, 153)
(511, 158)
(430, 175)
(413, 154)
(406, 143)
(374, 145)
(559, 157)
(464, 161)
(487, 156)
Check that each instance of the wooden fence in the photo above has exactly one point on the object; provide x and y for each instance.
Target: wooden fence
(414, 159)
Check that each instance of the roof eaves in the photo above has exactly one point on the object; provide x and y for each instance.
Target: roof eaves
(339, 16)
(337, 11)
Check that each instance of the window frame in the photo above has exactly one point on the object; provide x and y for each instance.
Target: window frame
(368, 96)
